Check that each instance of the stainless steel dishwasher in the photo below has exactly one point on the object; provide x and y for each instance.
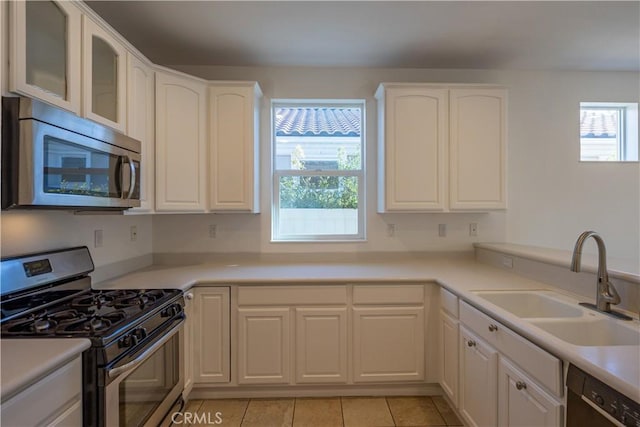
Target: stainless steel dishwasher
(590, 402)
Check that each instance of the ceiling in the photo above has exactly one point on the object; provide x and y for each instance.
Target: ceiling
(550, 35)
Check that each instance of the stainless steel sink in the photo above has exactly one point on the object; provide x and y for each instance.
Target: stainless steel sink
(532, 304)
(592, 332)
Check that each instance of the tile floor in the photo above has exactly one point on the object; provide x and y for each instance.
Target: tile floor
(324, 412)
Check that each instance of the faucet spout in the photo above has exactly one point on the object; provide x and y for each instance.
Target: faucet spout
(606, 294)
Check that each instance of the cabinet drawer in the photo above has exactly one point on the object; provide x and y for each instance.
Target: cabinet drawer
(388, 294)
(449, 302)
(47, 399)
(544, 367)
(292, 295)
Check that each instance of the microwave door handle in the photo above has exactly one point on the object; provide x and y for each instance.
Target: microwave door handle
(132, 178)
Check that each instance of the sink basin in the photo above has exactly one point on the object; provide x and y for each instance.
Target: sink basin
(531, 304)
(597, 332)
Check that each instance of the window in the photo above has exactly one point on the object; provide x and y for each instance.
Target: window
(318, 171)
(608, 132)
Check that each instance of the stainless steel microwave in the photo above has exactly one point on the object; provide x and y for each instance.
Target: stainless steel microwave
(52, 158)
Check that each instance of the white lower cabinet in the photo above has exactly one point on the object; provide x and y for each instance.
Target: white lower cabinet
(263, 345)
(388, 344)
(55, 400)
(211, 335)
(321, 345)
(187, 342)
(505, 379)
(449, 330)
(478, 380)
(521, 402)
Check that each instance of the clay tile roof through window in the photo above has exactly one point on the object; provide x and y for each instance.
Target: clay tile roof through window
(318, 121)
(598, 123)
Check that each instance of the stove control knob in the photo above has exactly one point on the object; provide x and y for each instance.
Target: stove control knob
(171, 311)
(140, 333)
(128, 341)
(599, 400)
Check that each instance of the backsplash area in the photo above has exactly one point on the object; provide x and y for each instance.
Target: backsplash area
(35, 231)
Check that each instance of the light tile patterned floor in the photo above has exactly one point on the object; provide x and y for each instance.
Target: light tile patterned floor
(324, 412)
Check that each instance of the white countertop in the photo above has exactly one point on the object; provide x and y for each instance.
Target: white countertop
(25, 361)
(617, 366)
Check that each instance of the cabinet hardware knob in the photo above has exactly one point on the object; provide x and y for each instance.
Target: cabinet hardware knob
(471, 343)
(188, 295)
(493, 328)
(521, 385)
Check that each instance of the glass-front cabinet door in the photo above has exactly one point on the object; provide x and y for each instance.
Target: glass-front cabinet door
(104, 71)
(45, 51)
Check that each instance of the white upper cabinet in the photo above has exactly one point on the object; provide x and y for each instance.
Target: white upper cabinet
(441, 147)
(141, 124)
(45, 49)
(181, 145)
(477, 149)
(412, 129)
(104, 66)
(234, 146)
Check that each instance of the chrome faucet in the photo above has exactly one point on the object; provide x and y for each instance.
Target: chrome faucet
(606, 293)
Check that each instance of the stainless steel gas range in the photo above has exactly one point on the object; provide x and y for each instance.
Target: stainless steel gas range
(132, 371)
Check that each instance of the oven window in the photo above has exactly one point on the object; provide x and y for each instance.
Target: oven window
(74, 169)
(142, 391)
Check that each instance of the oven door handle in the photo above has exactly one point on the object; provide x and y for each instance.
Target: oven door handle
(113, 373)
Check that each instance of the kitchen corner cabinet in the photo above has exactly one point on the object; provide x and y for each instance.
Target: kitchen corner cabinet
(187, 342)
(211, 335)
(104, 76)
(45, 51)
(449, 345)
(55, 400)
(181, 145)
(234, 146)
(442, 147)
(141, 124)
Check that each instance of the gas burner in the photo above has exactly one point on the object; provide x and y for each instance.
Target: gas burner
(93, 301)
(137, 298)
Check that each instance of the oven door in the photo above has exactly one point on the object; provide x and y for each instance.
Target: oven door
(69, 169)
(145, 386)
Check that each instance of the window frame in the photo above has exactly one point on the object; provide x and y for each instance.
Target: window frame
(277, 174)
(627, 130)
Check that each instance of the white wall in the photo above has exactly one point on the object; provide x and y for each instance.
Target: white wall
(32, 231)
(552, 197)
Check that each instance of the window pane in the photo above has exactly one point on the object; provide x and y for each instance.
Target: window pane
(600, 136)
(318, 138)
(318, 205)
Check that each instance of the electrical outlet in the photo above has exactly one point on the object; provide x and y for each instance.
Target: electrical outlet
(473, 229)
(133, 231)
(391, 230)
(97, 238)
(442, 230)
(213, 231)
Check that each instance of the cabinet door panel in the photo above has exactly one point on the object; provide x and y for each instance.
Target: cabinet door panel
(263, 345)
(180, 144)
(233, 147)
(449, 363)
(45, 51)
(321, 345)
(211, 341)
(414, 149)
(478, 381)
(477, 148)
(522, 403)
(388, 344)
(104, 77)
(141, 124)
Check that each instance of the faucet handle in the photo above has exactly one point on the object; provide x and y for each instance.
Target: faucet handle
(610, 294)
